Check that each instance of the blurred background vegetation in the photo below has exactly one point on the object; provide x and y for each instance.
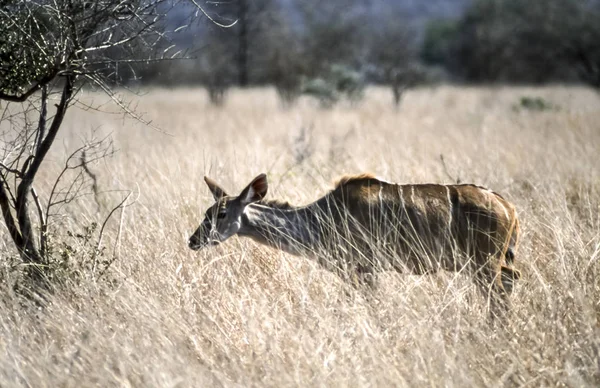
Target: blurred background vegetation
(330, 49)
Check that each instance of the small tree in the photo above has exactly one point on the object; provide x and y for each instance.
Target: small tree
(393, 53)
(581, 40)
(285, 71)
(332, 35)
(277, 54)
(48, 51)
(216, 66)
(338, 82)
(518, 41)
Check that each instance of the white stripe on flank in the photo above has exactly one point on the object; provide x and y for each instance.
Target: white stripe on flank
(503, 207)
(449, 207)
(402, 198)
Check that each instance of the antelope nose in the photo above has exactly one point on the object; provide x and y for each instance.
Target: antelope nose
(193, 243)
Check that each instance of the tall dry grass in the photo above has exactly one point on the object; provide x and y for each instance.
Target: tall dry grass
(246, 315)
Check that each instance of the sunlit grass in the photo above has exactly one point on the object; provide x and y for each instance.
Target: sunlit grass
(241, 314)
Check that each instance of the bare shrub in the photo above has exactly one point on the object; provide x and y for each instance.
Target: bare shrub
(48, 52)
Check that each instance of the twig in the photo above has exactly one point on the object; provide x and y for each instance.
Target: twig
(117, 247)
(92, 176)
(457, 180)
(11, 170)
(210, 18)
(113, 96)
(101, 236)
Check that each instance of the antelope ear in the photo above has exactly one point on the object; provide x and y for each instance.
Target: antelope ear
(256, 190)
(216, 190)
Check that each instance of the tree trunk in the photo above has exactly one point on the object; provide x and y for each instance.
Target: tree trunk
(398, 91)
(243, 43)
(20, 226)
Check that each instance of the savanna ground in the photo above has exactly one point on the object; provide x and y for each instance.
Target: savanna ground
(245, 315)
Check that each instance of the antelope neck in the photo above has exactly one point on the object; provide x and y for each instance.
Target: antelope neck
(291, 230)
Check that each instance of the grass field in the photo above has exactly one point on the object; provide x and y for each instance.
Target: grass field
(245, 315)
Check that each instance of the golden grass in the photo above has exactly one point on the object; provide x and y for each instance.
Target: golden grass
(245, 315)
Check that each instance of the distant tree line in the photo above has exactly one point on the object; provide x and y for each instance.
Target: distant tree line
(329, 49)
(325, 49)
(519, 41)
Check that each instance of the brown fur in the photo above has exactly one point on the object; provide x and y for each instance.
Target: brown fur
(353, 178)
(426, 227)
(365, 225)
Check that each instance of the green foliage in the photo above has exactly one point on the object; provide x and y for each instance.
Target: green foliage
(28, 48)
(334, 33)
(440, 36)
(348, 82)
(76, 257)
(73, 258)
(337, 83)
(518, 41)
(535, 104)
(321, 89)
(582, 47)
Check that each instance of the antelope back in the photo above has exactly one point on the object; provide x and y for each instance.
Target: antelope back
(425, 226)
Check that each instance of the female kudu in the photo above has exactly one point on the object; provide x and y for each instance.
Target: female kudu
(366, 225)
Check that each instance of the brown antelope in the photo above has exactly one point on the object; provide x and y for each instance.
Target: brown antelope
(365, 225)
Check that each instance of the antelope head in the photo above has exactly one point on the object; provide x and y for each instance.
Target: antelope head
(224, 218)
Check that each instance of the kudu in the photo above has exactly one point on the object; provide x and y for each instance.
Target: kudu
(366, 225)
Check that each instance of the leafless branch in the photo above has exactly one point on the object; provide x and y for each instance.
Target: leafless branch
(210, 18)
(84, 165)
(115, 98)
(90, 152)
(11, 170)
(101, 236)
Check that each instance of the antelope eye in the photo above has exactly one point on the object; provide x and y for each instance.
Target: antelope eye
(221, 214)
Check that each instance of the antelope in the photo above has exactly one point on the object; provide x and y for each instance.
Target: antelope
(366, 225)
